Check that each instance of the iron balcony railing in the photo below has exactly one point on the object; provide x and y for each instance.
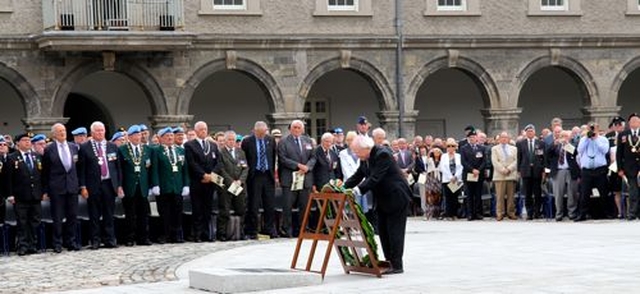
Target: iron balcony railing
(134, 15)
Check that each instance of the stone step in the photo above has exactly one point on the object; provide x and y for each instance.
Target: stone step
(237, 280)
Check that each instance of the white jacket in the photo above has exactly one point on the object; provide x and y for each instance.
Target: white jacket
(446, 170)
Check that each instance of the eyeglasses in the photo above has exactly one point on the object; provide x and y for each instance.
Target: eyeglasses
(451, 146)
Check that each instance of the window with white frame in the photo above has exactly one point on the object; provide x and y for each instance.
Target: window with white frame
(557, 5)
(342, 5)
(229, 5)
(451, 5)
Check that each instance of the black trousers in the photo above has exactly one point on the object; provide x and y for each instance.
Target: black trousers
(633, 197)
(101, 205)
(136, 212)
(202, 202)
(227, 202)
(64, 206)
(391, 226)
(532, 190)
(261, 188)
(170, 211)
(474, 199)
(592, 179)
(450, 201)
(292, 199)
(28, 220)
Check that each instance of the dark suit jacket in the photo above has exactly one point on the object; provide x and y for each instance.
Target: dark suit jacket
(289, 156)
(198, 162)
(233, 169)
(170, 182)
(251, 152)
(146, 178)
(324, 170)
(553, 155)
(55, 178)
(3, 178)
(89, 169)
(22, 183)
(473, 160)
(526, 167)
(408, 160)
(383, 177)
(627, 160)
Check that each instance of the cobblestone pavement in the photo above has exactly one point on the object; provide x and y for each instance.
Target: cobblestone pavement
(105, 267)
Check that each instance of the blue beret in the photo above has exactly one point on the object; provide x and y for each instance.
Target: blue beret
(143, 127)
(529, 126)
(239, 138)
(338, 130)
(38, 138)
(134, 129)
(117, 136)
(167, 130)
(362, 120)
(178, 130)
(79, 131)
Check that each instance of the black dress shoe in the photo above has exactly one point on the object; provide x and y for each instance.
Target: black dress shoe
(558, 219)
(251, 237)
(144, 242)
(580, 219)
(73, 248)
(392, 271)
(57, 249)
(129, 244)
(94, 246)
(110, 245)
(32, 251)
(22, 252)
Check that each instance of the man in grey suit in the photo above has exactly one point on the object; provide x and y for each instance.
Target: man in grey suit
(234, 170)
(404, 157)
(295, 154)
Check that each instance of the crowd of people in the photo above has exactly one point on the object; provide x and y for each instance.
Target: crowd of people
(585, 167)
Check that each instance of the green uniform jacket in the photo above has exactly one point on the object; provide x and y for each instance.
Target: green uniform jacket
(170, 182)
(146, 178)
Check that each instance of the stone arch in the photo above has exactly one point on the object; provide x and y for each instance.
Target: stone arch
(253, 70)
(29, 98)
(386, 98)
(621, 77)
(139, 75)
(571, 66)
(484, 81)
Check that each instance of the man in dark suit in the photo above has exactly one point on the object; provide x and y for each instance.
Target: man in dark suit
(391, 193)
(169, 163)
(531, 163)
(60, 184)
(327, 162)
(564, 171)
(138, 178)
(4, 153)
(295, 154)
(202, 159)
(474, 163)
(234, 169)
(404, 156)
(100, 178)
(260, 150)
(24, 190)
(628, 161)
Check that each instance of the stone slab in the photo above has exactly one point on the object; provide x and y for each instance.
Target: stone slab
(237, 280)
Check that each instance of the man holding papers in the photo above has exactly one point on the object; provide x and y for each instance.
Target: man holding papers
(562, 163)
(474, 164)
(531, 163)
(234, 170)
(505, 174)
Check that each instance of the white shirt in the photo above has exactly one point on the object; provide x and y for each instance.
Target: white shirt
(63, 147)
(348, 165)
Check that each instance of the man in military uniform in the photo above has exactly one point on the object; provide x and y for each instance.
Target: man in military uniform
(234, 170)
(474, 163)
(169, 164)
(137, 178)
(38, 143)
(178, 136)
(79, 136)
(628, 161)
(144, 133)
(24, 190)
(616, 127)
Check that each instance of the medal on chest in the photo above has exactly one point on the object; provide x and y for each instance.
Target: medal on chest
(94, 146)
(173, 160)
(634, 146)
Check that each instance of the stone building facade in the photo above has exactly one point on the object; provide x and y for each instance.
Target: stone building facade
(493, 63)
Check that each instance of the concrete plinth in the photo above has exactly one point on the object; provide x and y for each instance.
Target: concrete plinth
(236, 280)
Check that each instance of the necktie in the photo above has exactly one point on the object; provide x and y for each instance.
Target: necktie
(531, 150)
(65, 156)
(27, 159)
(233, 154)
(103, 166)
(299, 146)
(562, 154)
(262, 157)
(136, 153)
(326, 153)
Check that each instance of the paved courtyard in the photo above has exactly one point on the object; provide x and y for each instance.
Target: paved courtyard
(440, 257)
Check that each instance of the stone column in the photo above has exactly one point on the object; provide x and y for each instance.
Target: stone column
(602, 115)
(409, 125)
(281, 120)
(42, 125)
(390, 122)
(159, 122)
(505, 119)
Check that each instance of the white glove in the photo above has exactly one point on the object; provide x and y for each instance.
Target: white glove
(155, 191)
(185, 191)
(356, 191)
(150, 192)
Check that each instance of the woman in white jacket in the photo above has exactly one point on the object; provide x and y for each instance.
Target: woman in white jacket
(451, 169)
(349, 163)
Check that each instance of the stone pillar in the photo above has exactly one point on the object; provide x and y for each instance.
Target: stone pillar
(505, 119)
(281, 120)
(602, 115)
(409, 125)
(42, 125)
(159, 122)
(389, 121)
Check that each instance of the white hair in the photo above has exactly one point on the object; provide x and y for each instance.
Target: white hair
(96, 124)
(200, 124)
(55, 126)
(229, 133)
(297, 122)
(363, 142)
(260, 124)
(327, 136)
(379, 132)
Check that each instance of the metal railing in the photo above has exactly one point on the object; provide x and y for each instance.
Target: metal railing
(134, 15)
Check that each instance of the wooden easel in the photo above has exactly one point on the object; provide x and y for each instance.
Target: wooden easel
(344, 221)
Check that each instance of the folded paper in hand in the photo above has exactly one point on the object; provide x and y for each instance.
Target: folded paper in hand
(453, 186)
(410, 179)
(472, 178)
(297, 182)
(235, 189)
(217, 179)
(569, 148)
(422, 179)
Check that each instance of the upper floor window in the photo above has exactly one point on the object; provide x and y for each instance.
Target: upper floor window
(451, 5)
(342, 5)
(229, 5)
(556, 5)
